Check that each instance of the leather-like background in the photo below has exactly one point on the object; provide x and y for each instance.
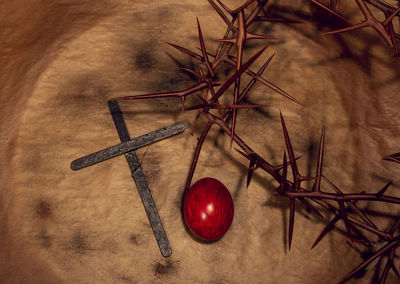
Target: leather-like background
(60, 63)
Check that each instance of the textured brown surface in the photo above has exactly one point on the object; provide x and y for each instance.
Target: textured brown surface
(61, 62)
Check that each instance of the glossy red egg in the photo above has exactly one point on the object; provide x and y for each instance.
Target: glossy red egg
(208, 209)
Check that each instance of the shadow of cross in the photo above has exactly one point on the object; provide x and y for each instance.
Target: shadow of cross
(128, 147)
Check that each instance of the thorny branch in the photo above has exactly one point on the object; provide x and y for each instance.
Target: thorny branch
(343, 206)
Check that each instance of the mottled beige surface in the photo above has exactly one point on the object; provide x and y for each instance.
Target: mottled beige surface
(61, 62)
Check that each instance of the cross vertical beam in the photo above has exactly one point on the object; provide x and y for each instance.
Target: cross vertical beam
(140, 181)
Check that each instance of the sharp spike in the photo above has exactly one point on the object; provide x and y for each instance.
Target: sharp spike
(291, 153)
(225, 7)
(248, 87)
(283, 184)
(394, 40)
(395, 270)
(178, 94)
(265, 82)
(255, 36)
(343, 213)
(391, 17)
(395, 226)
(233, 126)
(186, 51)
(319, 4)
(385, 273)
(204, 51)
(183, 103)
(277, 20)
(394, 158)
(227, 40)
(354, 27)
(197, 154)
(279, 167)
(381, 251)
(242, 106)
(250, 172)
(383, 190)
(327, 229)
(201, 98)
(243, 154)
(191, 72)
(199, 106)
(222, 15)
(291, 220)
(242, 69)
(332, 185)
(391, 261)
(194, 123)
(245, 5)
(317, 183)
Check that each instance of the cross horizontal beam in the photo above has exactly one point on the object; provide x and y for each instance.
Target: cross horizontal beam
(128, 146)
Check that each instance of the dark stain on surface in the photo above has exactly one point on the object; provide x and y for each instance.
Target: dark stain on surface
(88, 93)
(144, 59)
(133, 239)
(79, 243)
(151, 170)
(163, 268)
(125, 279)
(173, 81)
(312, 149)
(45, 239)
(43, 209)
(174, 78)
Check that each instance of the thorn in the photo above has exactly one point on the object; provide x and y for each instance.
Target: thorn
(225, 7)
(233, 125)
(319, 4)
(222, 15)
(291, 220)
(393, 38)
(256, 36)
(277, 20)
(383, 190)
(226, 40)
(199, 106)
(242, 106)
(243, 154)
(204, 51)
(252, 166)
(345, 220)
(279, 167)
(327, 229)
(183, 103)
(250, 172)
(317, 183)
(232, 79)
(391, 17)
(284, 175)
(354, 27)
(393, 157)
(190, 71)
(385, 273)
(244, 6)
(374, 256)
(394, 267)
(265, 82)
(291, 154)
(395, 226)
(186, 51)
(194, 123)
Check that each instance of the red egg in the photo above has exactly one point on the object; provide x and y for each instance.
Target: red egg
(208, 209)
